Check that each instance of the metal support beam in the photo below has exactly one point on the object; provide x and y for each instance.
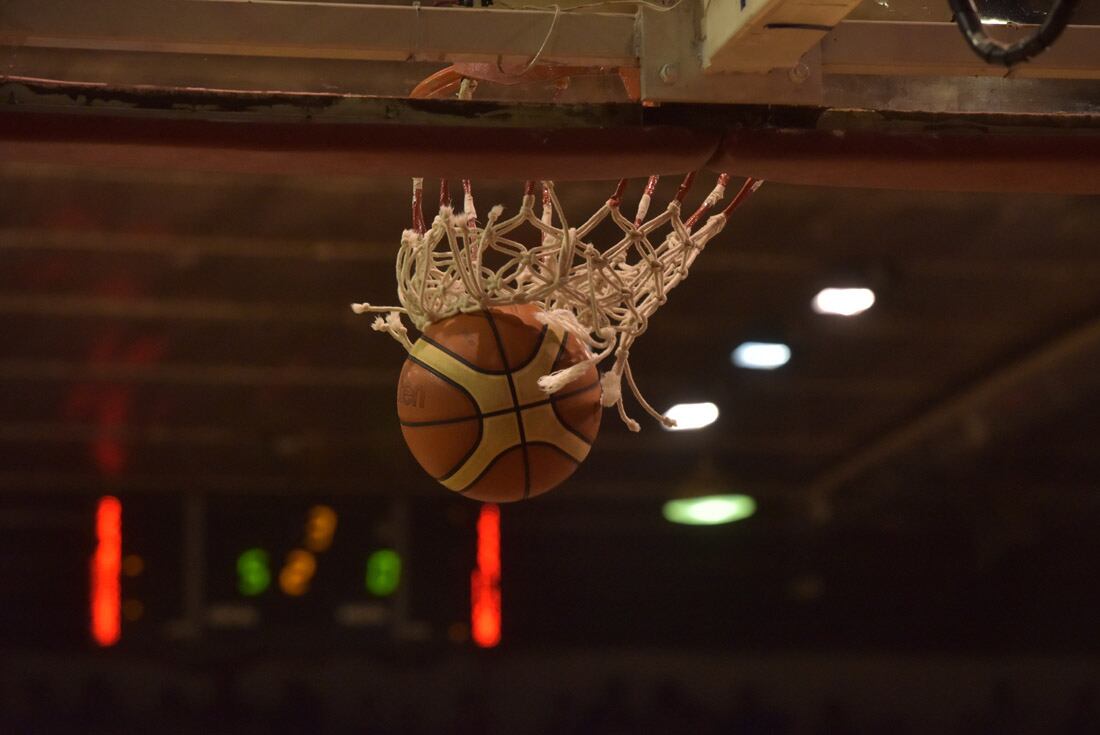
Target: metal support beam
(466, 141)
(925, 160)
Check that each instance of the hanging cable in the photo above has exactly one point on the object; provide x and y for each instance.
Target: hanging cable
(1009, 54)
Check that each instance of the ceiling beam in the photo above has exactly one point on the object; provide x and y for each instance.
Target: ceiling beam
(1052, 379)
(654, 442)
(16, 370)
(873, 48)
(196, 374)
(153, 309)
(971, 330)
(274, 134)
(761, 35)
(317, 30)
(720, 258)
(185, 246)
(51, 482)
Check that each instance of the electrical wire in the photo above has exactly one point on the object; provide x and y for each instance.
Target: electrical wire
(1009, 54)
(558, 10)
(538, 54)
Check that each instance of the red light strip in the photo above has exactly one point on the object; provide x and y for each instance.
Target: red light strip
(485, 580)
(105, 569)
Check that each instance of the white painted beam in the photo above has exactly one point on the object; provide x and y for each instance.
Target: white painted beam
(761, 35)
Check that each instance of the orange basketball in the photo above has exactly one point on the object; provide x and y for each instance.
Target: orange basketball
(474, 416)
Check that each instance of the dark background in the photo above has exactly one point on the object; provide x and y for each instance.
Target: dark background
(184, 342)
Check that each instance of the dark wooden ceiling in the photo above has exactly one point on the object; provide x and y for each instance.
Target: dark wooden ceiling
(202, 321)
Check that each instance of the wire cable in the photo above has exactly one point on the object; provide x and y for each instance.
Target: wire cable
(993, 51)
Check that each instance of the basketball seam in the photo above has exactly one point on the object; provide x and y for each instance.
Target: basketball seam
(534, 353)
(502, 411)
(565, 424)
(523, 446)
(515, 402)
(503, 357)
(490, 466)
(460, 358)
(557, 449)
(480, 424)
(555, 398)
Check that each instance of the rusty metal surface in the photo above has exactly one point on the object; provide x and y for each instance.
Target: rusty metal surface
(353, 149)
(930, 161)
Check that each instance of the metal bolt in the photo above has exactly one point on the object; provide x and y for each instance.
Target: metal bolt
(799, 73)
(669, 73)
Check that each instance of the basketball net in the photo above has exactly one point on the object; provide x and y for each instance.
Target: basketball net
(604, 297)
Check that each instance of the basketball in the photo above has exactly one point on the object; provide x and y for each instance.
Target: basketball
(472, 412)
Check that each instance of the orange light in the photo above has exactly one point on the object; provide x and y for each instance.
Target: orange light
(106, 566)
(320, 528)
(485, 615)
(297, 572)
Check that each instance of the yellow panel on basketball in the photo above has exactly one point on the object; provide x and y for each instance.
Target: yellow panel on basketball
(472, 412)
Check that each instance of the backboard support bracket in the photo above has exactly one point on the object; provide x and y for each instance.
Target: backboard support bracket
(672, 67)
(763, 35)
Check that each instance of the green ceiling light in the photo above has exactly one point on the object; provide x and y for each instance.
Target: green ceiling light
(709, 510)
(702, 500)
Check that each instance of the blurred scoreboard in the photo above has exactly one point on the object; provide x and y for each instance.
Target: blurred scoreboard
(379, 567)
(276, 570)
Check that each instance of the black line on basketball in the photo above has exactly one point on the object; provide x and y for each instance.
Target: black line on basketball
(557, 449)
(480, 423)
(555, 398)
(450, 381)
(515, 404)
(502, 411)
(444, 422)
(463, 360)
(565, 425)
(535, 352)
(489, 466)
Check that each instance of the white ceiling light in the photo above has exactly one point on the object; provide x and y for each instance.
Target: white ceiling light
(843, 301)
(761, 355)
(692, 415)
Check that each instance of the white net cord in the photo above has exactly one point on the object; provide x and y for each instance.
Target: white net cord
(602, 297)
